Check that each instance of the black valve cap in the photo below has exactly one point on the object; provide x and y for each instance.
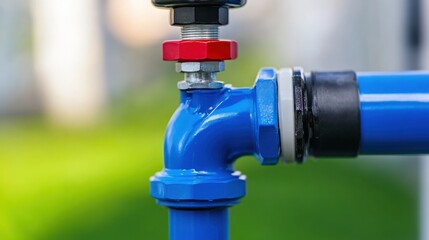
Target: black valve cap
(199, 15)
(194, 3)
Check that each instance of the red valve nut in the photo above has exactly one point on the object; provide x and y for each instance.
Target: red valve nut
(199, 50)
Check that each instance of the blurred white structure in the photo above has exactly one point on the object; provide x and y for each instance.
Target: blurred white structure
(18, 92)
(336, 34)
(137, 23)
(68, 59)
(363, 35)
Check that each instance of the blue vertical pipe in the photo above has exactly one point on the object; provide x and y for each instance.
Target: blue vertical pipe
(208, 132)
(394, 112)
(207, 224)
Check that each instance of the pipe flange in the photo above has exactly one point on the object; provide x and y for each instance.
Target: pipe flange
(286, 108)
(300, 100)
(178, 188)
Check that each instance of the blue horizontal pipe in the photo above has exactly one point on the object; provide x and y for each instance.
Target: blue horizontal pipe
(394, 113)
(207, 224)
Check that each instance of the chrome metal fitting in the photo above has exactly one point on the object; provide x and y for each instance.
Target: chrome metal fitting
(183, 85)
(200, 75)
(200, 80)
(208, 67)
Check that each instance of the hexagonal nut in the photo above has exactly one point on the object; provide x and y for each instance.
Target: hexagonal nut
(199, 50)
(188, 67)
(268, 139)
(216, 15)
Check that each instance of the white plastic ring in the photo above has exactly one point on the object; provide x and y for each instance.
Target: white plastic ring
(286, 105)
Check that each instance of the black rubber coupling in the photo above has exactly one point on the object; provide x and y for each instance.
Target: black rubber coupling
(333, 114)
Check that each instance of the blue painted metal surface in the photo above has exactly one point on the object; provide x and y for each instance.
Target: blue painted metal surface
(212, 128)
(207, 224)
(207, 133)
(394, 113)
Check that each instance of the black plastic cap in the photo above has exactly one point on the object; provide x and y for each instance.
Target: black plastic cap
(333, 114)
(183, 3)
(199, 15)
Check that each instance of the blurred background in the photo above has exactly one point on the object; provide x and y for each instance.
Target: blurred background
(85, 99)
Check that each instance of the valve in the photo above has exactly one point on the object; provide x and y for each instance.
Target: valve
(288, 114)
(200, 53)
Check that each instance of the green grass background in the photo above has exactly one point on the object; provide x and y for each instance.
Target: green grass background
(93, 184)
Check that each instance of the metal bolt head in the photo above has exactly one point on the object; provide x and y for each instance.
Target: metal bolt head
(188, 67)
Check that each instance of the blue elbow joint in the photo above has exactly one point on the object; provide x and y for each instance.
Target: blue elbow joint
(207, 133)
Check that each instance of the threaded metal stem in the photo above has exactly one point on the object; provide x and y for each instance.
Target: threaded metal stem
(192, 32)
(200, 79)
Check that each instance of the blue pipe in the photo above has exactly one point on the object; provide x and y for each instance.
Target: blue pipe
(394, 113)
(208, 224)
(207, 133)
(212, 128)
